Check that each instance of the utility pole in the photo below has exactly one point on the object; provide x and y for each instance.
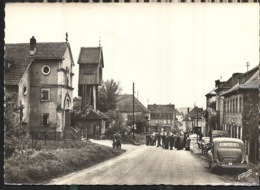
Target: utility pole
(133, 109)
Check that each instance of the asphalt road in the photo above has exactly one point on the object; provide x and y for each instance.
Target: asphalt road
(148, 165)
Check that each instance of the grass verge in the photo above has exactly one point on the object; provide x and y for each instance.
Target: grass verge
(38, 166)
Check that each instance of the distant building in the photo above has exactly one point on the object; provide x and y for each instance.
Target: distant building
(193, 119)
(41, 74)
(125, 107)
(163, 117)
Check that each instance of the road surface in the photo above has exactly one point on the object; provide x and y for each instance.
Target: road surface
(148, 165)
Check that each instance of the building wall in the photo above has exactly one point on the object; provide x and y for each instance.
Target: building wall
(60, 90)
(250, 123)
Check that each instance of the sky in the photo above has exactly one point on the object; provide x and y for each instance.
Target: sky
(172, 52)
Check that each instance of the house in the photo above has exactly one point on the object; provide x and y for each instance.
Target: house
(241, 111)
(41, 74)
(125, 106)
(194, 121)
(163, 117)
(89, 121)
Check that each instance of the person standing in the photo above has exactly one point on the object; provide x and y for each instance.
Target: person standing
(163, 140)
(167, 140)
(171, 141)
(178, 142)
(159, 139)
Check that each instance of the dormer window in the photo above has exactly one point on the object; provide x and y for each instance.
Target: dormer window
(46, 70)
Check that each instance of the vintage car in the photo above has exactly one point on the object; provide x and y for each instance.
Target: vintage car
(227, 153)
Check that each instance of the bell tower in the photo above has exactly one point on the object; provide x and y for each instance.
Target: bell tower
(90, 75)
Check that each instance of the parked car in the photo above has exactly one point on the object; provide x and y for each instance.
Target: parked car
(204, 141)
(227, 153)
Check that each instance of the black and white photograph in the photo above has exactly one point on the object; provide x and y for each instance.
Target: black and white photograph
(131, 94)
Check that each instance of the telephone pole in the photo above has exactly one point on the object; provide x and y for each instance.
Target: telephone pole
(133, 109)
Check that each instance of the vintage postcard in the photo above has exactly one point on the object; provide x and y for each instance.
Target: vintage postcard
(131, 94)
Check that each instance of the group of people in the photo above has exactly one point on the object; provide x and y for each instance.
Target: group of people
(168, 140)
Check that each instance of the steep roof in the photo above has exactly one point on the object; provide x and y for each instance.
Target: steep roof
(20, 57)
(154, 108)
(231, 81)
(125, 104)
(252, 82)
(90, 55)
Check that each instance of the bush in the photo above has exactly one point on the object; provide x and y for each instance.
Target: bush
(32, 166)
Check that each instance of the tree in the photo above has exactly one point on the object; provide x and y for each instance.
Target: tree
(11, 123)
(107, 95)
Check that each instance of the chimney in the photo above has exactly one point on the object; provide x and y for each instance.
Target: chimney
(188, 110)
(217, 83)
(32, 46)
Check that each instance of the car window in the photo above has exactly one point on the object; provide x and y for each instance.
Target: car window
(228, 144)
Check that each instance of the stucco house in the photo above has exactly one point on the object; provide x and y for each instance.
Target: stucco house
(41, 74)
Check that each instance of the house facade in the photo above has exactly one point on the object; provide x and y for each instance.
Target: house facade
(163, 117)
(241, 111)
(125, 107)
(41, 74)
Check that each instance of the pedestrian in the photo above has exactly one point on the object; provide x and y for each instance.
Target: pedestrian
(163, 140)
(159, 139)
(200, 136)
(178, 142)
(167, 140)
(171, 141)
(148, 139)
(187, 144)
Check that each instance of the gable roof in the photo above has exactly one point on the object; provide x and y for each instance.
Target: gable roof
(21, 58)
(91, 55)
(125, 104)
(154, 108)
(252, 82)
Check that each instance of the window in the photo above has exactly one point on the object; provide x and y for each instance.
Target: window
(45, 94)
(45, 120)
(228, 144)
(24, 90)
(46, 70)
(89, 69)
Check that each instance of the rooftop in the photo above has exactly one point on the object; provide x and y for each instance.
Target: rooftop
(90, 55)
(18, 54)
(125, 104)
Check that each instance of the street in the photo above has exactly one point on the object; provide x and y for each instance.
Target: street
(148, 165)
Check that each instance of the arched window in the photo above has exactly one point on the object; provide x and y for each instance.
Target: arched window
(67, 101)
